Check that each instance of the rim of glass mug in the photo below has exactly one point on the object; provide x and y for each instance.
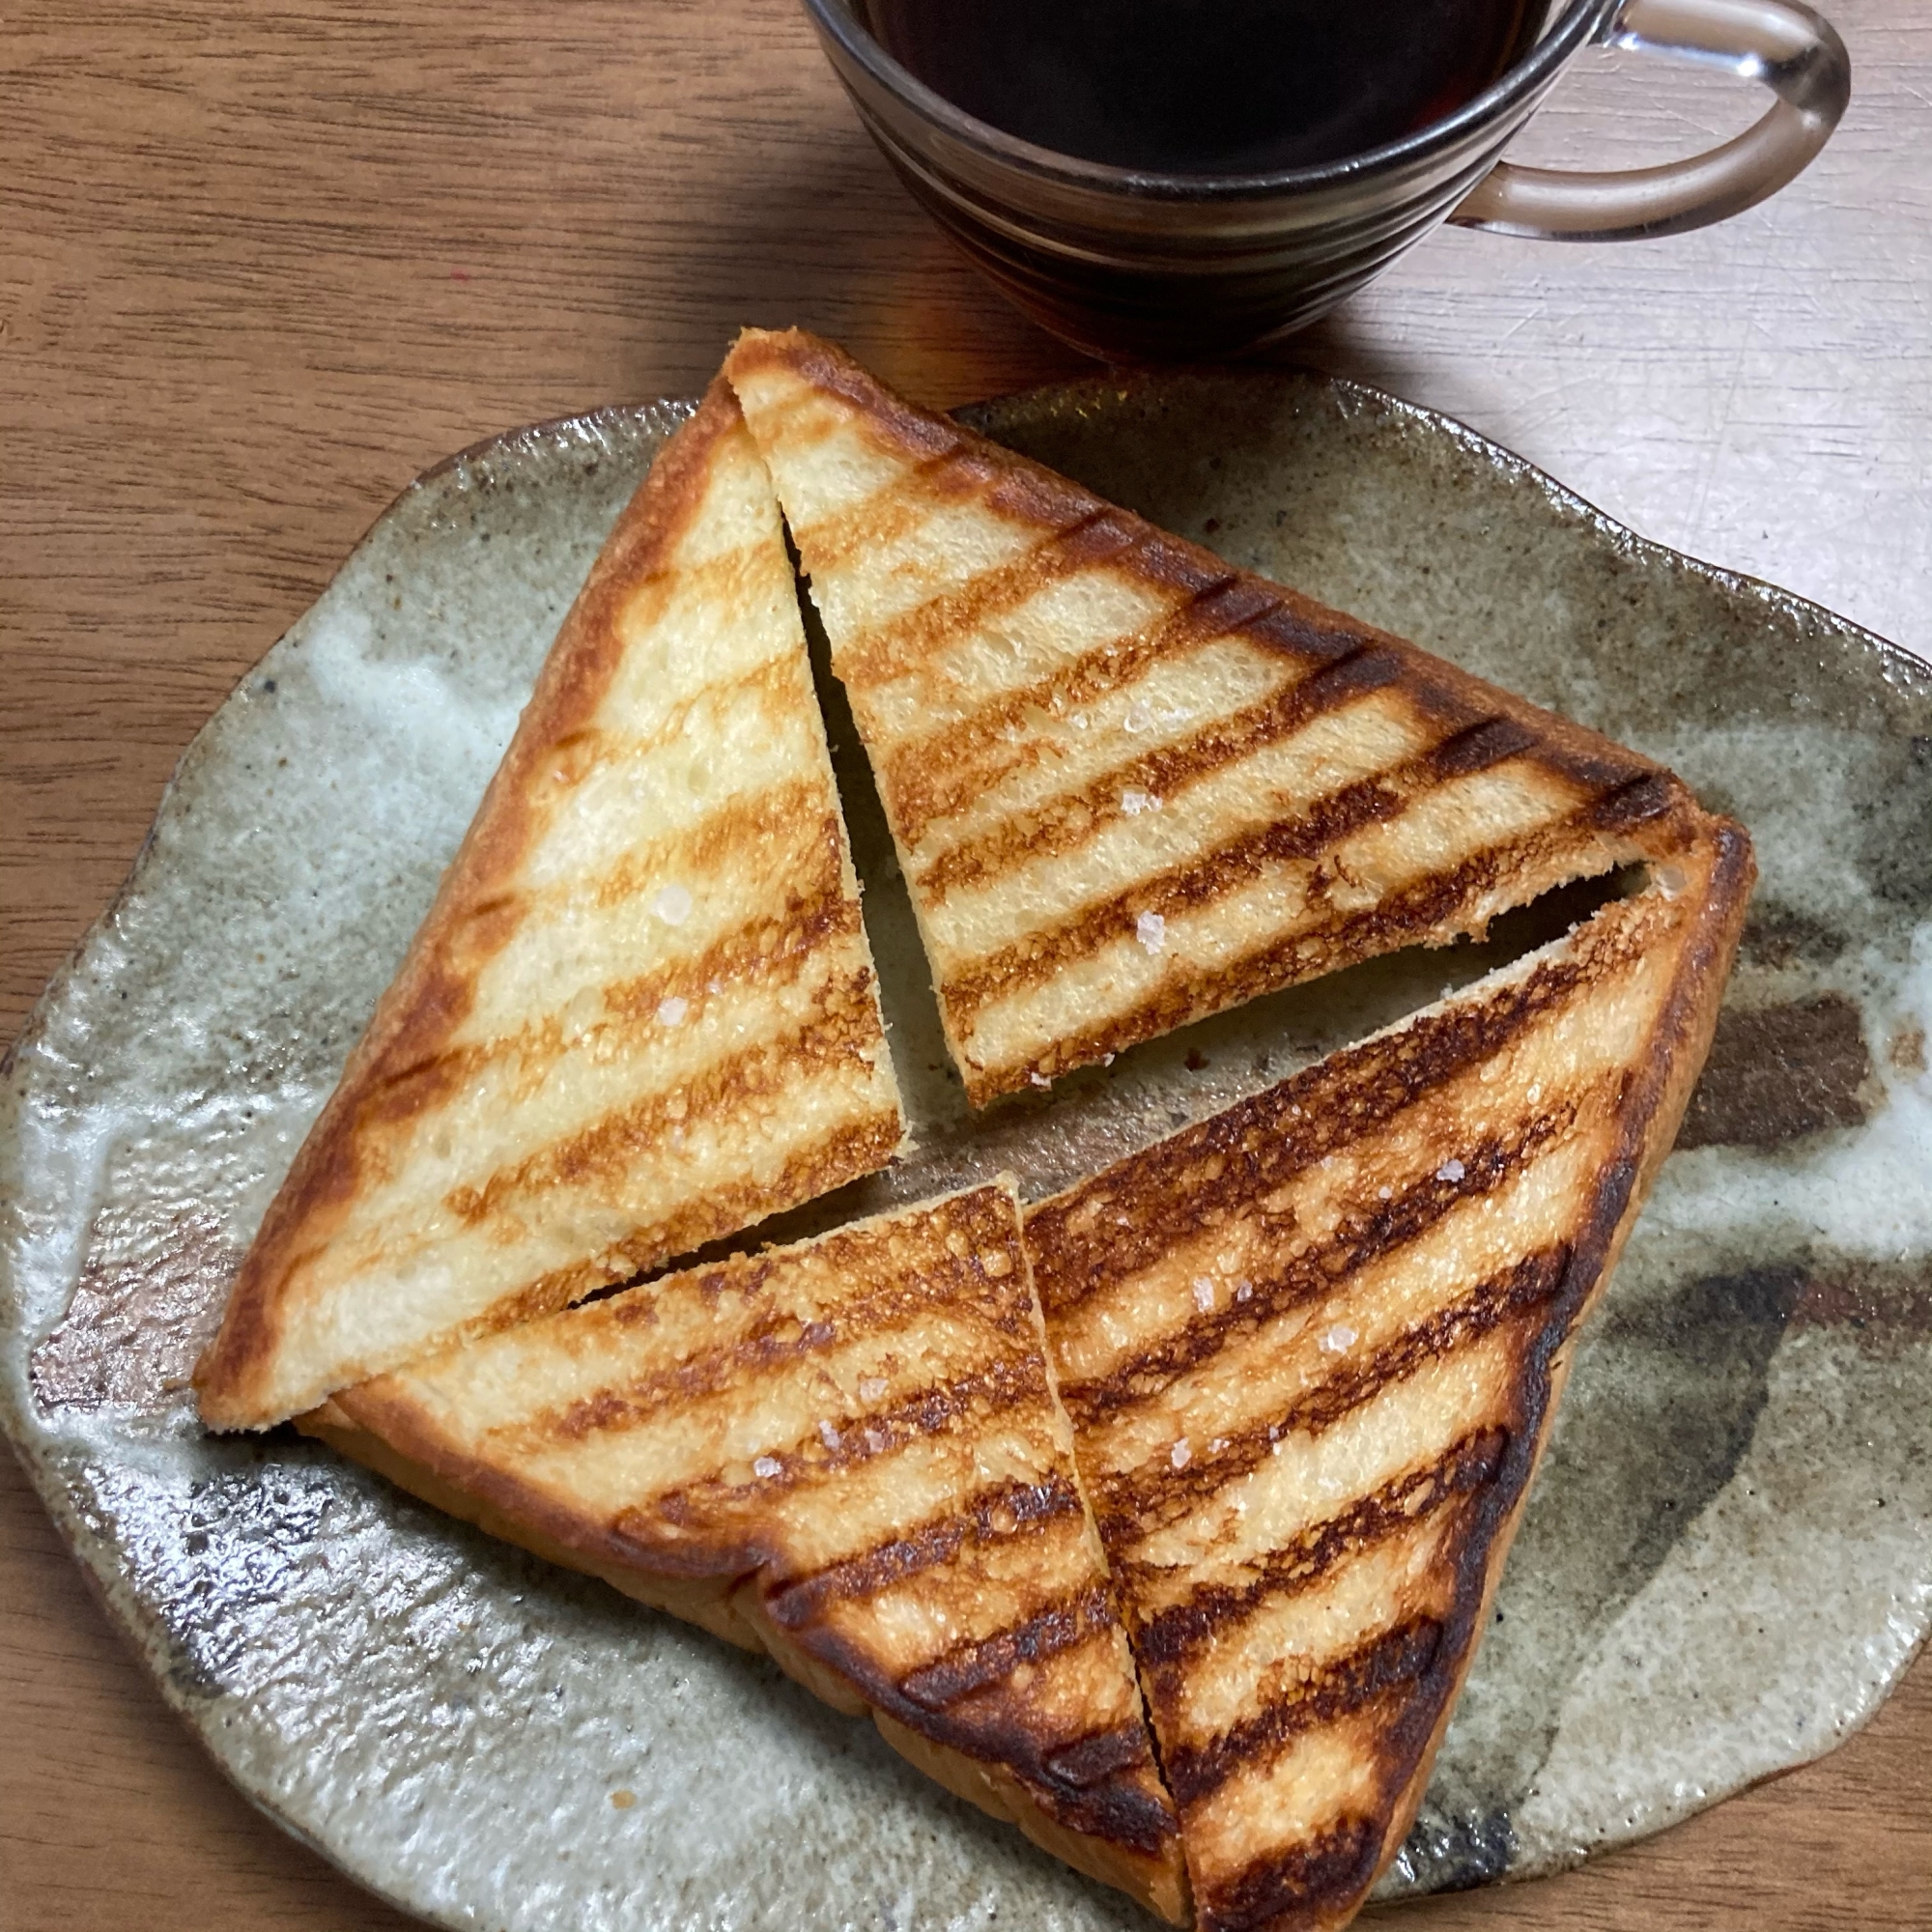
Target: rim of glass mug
(1782, 45)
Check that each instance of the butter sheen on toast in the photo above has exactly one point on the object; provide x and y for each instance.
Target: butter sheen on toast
(1311, 1348)
(847, 1453)
(1130, 785)
(641, 1013)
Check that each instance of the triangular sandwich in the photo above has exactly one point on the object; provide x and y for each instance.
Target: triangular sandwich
(847, 1452)
(1311, 1350)
(641, 1013)
(1130, 785)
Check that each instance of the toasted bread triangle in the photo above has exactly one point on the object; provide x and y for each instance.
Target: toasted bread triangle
(848, 1453)
(1130, 785)
(1311, 1348)
(641, 1012)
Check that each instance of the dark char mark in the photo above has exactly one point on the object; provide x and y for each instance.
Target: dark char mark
(1001, 1387)
(1125, 1219)
(1386, 1664)
(969, 1668)
(1319, 1271)
(1280, 1891)
(1166, 1640)
(1129, 1506)
(1012, 1509)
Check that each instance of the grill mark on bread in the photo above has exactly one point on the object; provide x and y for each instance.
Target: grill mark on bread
(1429, 912)
(1477, 746)
(941, 480)
(777, 949)
(1002, 1513)
(1240, 1156)
(903, 645)
(1389, 1662)
(727, 1085)
(855, 1147)
(574, 759)
(958, 1263)
(1336, 1863)
(1003, 1387)
(746, 819)
(1198, 882)
(1132, 1505)
(1169, 1639)
(938, 773)
(1062, 1624)
(1361, 1237)
(1073, 819)
(1101, 1755)
(780, 949)
(807, 1173)
(779, 1339)
(950, 466)
(1294, 953)
(1636, 802)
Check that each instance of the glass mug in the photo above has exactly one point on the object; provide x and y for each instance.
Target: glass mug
(1129, 263)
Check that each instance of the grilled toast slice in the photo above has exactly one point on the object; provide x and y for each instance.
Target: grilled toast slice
(1130, 785)
(641, 1013)
(1311, 1350)
(847, 1452)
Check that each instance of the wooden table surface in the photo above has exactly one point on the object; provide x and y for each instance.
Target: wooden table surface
(259, 264)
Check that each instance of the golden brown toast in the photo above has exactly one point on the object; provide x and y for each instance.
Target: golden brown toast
(1132, 786)
(641, 1013)
(1311, 1348)
(849, 1453)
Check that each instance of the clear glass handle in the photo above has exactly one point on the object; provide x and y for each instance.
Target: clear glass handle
(1793, 51)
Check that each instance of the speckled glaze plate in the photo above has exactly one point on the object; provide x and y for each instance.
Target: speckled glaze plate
(1727, 1558)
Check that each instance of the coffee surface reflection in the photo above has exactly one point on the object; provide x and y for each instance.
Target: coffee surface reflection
(1207, 86)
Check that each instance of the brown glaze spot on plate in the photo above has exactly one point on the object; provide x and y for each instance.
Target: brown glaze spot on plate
(1777, 1072)
(1888, 1307)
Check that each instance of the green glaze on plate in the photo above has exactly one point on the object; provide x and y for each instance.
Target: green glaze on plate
(1727, 1556)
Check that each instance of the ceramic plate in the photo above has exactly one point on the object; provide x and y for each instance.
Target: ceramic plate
(1727, 1558)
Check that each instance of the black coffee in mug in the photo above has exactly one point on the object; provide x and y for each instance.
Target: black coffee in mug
(1207, 86)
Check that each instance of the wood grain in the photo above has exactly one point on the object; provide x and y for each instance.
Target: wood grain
(263, 263)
